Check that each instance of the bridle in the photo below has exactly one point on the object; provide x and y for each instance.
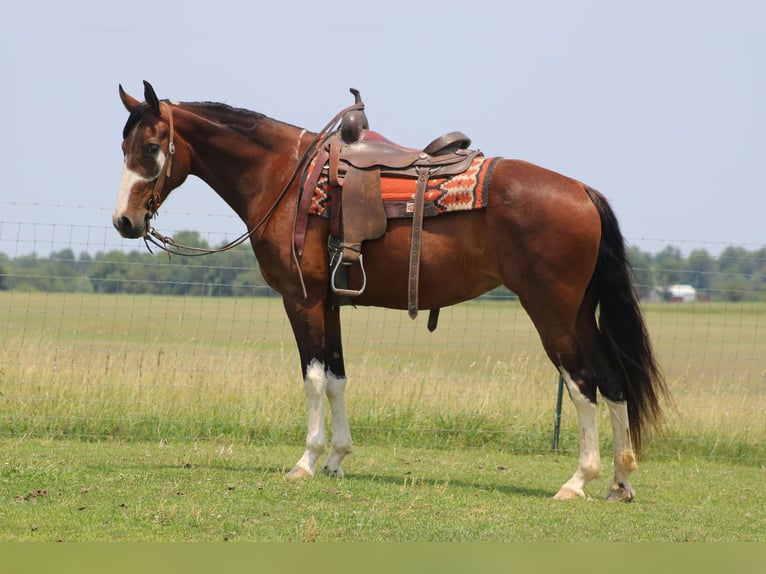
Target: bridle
(156, 199)
(169, 245)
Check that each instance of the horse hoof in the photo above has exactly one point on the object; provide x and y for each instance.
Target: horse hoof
(568, 494)
(337, 473)
(299, 473)
(620, 493)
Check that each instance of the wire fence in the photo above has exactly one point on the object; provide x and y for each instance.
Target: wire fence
(99, 339)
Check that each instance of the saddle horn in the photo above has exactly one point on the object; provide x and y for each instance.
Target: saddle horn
(354, 122)
(357, 95)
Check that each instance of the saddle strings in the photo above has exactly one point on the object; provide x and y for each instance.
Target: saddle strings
(163, 241)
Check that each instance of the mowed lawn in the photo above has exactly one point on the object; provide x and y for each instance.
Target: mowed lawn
(67, 490)
(174, 418)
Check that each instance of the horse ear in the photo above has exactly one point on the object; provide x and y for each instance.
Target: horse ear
(151, 98)
(129, 102)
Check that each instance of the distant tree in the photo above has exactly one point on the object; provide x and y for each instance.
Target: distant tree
(759, 273)
(736, 267)
(668, 266)
(699, 269)
(226, 267)
(643, 272)
(732, 287)
(109, 272)
(736, 260)
(83, 262)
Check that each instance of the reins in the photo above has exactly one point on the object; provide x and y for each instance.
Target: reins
(163, 241)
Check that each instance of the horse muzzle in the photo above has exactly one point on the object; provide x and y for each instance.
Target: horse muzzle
(128, 228)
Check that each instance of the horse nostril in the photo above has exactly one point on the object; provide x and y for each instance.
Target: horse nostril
(124, 225)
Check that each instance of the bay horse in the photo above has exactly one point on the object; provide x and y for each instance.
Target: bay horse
(550, 239)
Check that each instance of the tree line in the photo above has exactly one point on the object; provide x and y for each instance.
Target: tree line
(232, 273)
(736, 274)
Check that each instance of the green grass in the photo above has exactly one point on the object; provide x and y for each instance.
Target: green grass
(100, 367)
(70, 490)
(161, 418)
(183, 368)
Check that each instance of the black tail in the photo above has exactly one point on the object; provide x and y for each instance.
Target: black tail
(622, 326)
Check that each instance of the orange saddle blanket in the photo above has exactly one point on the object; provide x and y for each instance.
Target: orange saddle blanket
(461, 192)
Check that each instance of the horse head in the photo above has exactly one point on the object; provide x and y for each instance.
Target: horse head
(154, 163)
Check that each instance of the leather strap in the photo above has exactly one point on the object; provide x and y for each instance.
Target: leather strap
(167, 169)
(417, 232)
(302, 217)
(334, 163)
(333, 192)
(433, 319)
(336, 210)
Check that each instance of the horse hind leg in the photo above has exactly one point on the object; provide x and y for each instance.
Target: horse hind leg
(582, 393)
(624, 456)
(557, 320)
(612, 389)
(589, 466)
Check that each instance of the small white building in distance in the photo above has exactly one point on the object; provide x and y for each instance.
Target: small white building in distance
(682, 293)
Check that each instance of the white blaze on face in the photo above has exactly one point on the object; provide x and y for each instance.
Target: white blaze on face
(128, 180)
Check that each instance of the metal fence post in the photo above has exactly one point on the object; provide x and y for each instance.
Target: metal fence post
(557, 417)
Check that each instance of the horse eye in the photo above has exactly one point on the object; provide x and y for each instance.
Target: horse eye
(151, 149)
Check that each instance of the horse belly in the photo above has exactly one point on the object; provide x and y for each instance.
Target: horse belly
(457, 263)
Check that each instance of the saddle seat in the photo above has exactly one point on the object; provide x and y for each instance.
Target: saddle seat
(374, 150)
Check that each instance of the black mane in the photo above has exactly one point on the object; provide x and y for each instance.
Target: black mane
(241, 120)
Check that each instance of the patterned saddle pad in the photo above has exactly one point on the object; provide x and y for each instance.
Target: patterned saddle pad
(461, 192)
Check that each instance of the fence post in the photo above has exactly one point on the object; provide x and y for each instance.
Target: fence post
(557, 417)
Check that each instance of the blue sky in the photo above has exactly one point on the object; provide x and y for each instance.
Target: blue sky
(658, 104)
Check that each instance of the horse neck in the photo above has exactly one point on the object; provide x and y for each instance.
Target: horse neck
(247, 166)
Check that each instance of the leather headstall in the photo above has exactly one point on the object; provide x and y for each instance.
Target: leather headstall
(167, 169)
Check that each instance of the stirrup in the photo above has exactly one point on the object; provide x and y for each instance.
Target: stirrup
(348, 292)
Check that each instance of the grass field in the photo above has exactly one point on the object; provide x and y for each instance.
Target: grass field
(52, 490)
(148, 418)
(161, 418)
(143, 367)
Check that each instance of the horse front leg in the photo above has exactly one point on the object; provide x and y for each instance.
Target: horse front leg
(307, 321)
(341, 432)
(317, 333)
(315, 386)
(336, 394)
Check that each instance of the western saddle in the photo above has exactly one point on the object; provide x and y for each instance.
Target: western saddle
(354, 158)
